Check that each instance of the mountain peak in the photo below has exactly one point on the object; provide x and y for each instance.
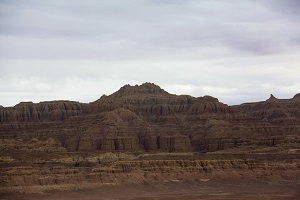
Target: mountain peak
(145, 88)
(297, 96)
(272, 98)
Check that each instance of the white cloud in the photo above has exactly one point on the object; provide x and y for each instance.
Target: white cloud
(179, 89)
(235, 51)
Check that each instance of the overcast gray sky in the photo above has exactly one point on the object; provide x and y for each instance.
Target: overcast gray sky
(237, 51)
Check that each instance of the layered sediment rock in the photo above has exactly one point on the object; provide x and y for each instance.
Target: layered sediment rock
(65, 144)
(28, 120)
(147, 118)
(43, 111)
(276, 111)
(76, 171)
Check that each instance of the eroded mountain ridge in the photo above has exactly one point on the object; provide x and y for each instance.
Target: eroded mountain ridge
(147, 118)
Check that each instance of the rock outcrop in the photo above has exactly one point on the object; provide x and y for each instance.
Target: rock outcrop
(147, 118)
(66, 172)
(43, 111)
(142, 134)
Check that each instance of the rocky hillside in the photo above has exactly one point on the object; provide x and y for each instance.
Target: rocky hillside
(147, 118)
(275, 111)
(40, 112)
(38, 172)
(144, 135)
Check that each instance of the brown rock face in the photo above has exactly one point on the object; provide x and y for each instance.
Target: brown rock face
(147, 118)
(275, 111)
(280, 116)
(29, 120)
(44, 111)
(143, 134)
(69, 171)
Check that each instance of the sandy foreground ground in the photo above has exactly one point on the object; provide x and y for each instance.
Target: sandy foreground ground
(172, 191)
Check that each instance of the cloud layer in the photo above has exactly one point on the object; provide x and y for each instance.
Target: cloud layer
(236, 51)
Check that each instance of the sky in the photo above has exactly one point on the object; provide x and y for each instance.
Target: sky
(237, 51)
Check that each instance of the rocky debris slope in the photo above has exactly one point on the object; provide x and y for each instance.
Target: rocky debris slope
(147, 118)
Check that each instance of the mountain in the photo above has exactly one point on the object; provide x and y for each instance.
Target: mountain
(147, 118)
(143, 136)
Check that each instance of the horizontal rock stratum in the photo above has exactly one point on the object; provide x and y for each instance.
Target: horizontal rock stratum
(144, 135)
(147, 118)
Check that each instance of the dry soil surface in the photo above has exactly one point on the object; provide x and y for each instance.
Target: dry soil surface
(172, 191)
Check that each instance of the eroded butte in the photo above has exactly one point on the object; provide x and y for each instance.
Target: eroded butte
(142, 135)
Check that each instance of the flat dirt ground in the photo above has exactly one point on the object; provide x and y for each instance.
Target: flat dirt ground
(172, 191)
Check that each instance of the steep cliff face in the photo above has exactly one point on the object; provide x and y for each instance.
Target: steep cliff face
(43, 111)
(64, 144)
(147, 118)
(276, 111)
(134, 118)
(28, 120)
(279, 118)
